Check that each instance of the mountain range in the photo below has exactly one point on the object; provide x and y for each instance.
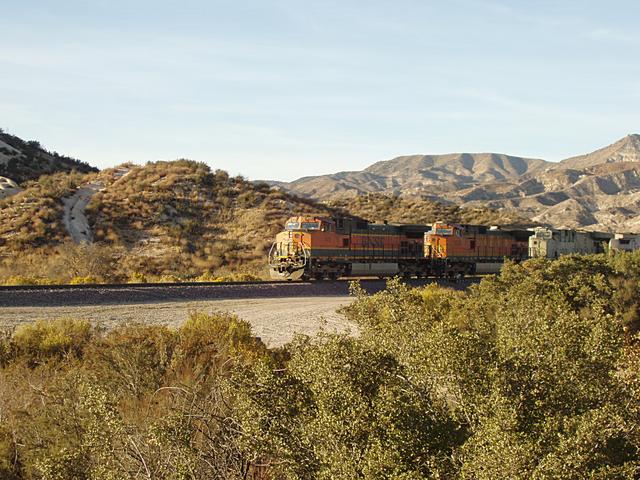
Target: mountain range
(598, 190)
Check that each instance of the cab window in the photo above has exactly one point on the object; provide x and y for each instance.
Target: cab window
(444, 231)
(293, 226)
(310, 225)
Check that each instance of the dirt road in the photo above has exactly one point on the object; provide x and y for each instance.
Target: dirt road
(74, 213)
(274, 320)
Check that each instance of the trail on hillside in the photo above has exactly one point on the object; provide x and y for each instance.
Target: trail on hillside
(74, 208)
(74, 213)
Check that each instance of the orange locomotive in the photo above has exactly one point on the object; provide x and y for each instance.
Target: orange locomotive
(321, 247)
(316, 247)
(473, 249)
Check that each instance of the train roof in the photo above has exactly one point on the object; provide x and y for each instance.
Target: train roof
(593, 234)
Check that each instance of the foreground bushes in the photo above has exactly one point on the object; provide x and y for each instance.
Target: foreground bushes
(136, 402)
(532, 374)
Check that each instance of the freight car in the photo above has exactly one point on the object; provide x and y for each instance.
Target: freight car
(551, 243)
(317, 247)
(624, 242)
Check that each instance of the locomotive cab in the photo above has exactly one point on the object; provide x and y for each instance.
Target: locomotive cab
(290, 254)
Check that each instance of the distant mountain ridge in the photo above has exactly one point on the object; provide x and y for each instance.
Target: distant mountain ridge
(598, 190)
(417, 174)
(626, 149)
(22, 160)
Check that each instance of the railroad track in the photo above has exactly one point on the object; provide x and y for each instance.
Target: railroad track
(120, 286)
(135, 293)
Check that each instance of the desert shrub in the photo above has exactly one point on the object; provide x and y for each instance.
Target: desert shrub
(51, 339)
(133, 359)
(343, 410)
(137, 277)
(135, 399)
(95, 263)
(83, 280)
(528, 375)
(24, 280)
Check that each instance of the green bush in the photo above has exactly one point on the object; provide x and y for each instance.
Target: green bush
(52, 339)
(528, 375)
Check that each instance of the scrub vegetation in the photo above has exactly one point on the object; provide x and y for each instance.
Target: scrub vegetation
(380, 207)
(28, 160)
(534, 373)
(32, 219)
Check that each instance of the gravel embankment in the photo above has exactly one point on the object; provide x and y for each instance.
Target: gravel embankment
(162, 293)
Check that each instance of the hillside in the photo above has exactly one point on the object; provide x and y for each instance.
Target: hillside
(165, 218)
(182, 218)
(32, 218)
(624, 150)
(378, 207)
(22, 161)
(599, 190)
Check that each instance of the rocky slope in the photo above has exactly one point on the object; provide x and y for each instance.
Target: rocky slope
(624, 150)
(599, 190)
(21, 161)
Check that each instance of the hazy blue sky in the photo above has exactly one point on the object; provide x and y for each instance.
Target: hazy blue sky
(281, 89)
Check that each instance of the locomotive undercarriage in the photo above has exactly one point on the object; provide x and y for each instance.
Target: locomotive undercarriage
(316, 269)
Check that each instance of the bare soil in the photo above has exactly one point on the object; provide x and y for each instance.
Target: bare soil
(274, 320)
(74, 213)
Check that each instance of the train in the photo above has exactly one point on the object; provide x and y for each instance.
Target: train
(316, 247)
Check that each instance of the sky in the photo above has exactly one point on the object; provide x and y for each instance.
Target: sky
(279, 89)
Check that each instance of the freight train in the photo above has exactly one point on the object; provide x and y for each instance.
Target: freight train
(319, 247)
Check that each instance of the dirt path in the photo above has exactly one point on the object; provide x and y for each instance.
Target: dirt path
(274, 320)
(74, 217)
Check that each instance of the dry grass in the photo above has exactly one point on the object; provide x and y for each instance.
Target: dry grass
(180, 218)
